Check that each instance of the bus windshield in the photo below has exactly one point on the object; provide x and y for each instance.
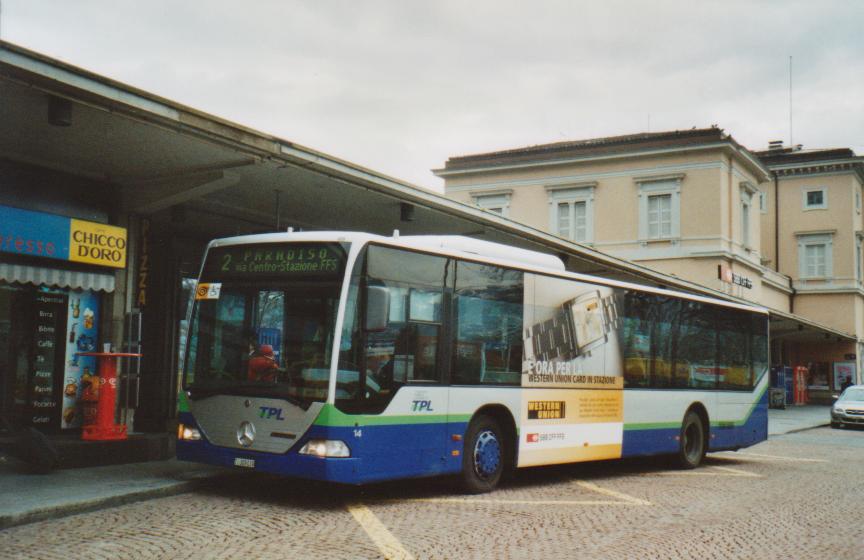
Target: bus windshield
(264, 320)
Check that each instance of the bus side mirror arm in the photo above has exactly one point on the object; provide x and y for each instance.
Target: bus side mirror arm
(377, 308)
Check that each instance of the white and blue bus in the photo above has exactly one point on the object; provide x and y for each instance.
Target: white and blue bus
(354, 358)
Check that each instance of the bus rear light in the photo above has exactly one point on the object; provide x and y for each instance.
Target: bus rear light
(325, 448)
(188, 433)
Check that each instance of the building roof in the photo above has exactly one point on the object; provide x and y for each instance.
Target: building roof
(791, 155)
(628, 144)
(793, 161)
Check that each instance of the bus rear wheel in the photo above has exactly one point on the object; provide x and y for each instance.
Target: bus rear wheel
(692, 442)
(483, 455)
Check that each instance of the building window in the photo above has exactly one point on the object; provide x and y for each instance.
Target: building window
(659, 208)
(814, 256)
(763, 202)
(859, 258)
(659, 216)
(572, 212)
(858, 200)
(747, 191)
(499, 203)
(815, 198)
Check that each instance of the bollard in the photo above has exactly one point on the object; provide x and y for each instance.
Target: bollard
(104, 428)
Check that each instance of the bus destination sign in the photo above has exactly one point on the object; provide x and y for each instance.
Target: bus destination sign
(272, 259)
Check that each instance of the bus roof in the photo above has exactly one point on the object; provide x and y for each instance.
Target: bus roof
(471, 249)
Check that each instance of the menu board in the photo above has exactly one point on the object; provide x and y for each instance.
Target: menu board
(48, 327)
(81, 378)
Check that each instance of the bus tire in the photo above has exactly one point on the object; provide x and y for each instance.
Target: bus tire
(692, 443)
(484, 455)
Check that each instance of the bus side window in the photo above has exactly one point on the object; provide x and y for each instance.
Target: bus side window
(736, 348)
(635, 332)
(407, 351)
(487, 325)
(696, 346)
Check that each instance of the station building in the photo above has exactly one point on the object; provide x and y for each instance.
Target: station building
(696, 204)
(109, 196)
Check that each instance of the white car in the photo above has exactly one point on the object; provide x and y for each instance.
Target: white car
(849, 408)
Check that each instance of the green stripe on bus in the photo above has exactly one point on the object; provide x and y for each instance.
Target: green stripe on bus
(182, 402)
(330, 416)
(652, 426)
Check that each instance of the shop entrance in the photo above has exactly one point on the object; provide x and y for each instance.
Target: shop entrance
(42, 379)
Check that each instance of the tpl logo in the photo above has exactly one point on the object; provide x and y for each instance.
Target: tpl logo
(268, 412)
(421, 406)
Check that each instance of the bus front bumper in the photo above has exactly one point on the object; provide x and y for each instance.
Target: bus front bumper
(342, 470)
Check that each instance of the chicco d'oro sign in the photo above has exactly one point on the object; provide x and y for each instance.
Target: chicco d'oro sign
(39, 234)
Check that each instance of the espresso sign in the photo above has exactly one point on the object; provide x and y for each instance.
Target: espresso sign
(39, 234)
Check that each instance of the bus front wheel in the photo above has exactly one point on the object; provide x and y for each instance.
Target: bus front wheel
(483, 455)
(692, 442)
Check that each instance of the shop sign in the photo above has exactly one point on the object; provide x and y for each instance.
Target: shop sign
(38, 234)
(143, 264)
(725, 274)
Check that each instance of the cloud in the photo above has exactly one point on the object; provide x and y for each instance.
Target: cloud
(401, 86)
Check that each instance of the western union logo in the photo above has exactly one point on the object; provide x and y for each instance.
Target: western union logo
(94, 243)
(545, 410)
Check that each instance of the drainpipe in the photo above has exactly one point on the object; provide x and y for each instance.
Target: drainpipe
(777, 236)
(776, 221)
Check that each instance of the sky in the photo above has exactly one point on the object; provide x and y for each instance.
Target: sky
(400, 86)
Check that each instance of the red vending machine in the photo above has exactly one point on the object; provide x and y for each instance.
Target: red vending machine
(799, 385)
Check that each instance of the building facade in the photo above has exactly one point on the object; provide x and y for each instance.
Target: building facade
(693, 204)
(814, 231)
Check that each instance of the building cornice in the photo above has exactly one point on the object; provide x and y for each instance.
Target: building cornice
(850, 165)
(571, 186)
(756, 166)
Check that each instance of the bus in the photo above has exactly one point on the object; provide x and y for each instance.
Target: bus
(356, 358)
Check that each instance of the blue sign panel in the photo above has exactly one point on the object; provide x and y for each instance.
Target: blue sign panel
(34, 233)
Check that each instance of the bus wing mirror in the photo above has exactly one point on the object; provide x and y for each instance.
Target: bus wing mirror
(377, 308)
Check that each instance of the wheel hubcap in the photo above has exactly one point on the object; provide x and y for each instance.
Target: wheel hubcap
(487, 454)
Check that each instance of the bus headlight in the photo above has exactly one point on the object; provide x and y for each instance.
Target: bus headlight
(188, 433)
(325, 448)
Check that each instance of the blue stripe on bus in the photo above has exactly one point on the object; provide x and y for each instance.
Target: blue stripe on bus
(386, 452)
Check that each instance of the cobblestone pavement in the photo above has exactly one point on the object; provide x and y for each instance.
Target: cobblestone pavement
(795, 496)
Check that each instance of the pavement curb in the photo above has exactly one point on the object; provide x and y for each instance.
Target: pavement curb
(65, 510)
(798, 430)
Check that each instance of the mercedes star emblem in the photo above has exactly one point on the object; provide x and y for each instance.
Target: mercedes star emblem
(246, 434)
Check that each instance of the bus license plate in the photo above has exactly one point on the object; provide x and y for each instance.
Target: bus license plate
(245, 463)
